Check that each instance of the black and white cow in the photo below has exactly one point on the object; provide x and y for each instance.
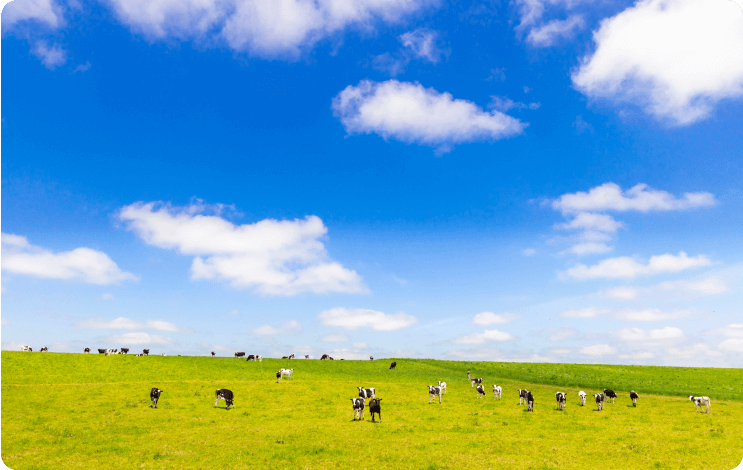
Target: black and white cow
(522, 396)
(102, 351)
(582, 397)
(278, 377)
(154, 396)
(44, 349)
(250, 358)
(291, 356)
(124, 350)
(239, 354)
(474, 381)
(226, 395)
(432, 392)
(306, 356)
(393, 365)
(284, 357)
(86, 351)
(480, 391)
(287, 372)
(366, 392)
(610, 394)
(530, 401)
(497, 391)
(109, 352)
(324, 357)
(634, 396)
(561, 399)
(259, 358)
(213, 354)
(442, 386)
(371, 358)
(358, 408)
(26, 348)
(600, 399)
(146, 352)
(375, 407)
(700, 402)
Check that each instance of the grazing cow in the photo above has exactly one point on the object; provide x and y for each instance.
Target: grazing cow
(375, 407)
(259, 358)
(306, 356)
(154, 396)
(600, 398)
(287, 372)
(124, 350)
(700, 402)
(358, 408)
(163, 354)
(146, 352)
(101, 351)
(469, 376)
(250, 358)
(474, 381)
(582, 397)
(393, 365)
(291, 356)
(26, 348)
(432, 392)
(610, 394)
(634, 396)
(109, 352)
(324, 357)
(44, 349)
(480, 390)
(367, 392)
(239, 354)
(561, 400)
(371, 358)
(442, 385)
(138, 355)
(530, 401)
(226, 395)
(522, 396)
(278, 377)
(284, 357)
(86, 351)
(331, 358)
(496, 391)
(213, 354)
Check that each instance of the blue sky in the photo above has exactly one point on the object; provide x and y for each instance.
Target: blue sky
(534, 180)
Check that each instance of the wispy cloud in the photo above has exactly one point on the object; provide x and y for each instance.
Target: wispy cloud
(484, 337)
(353, 319)
(122, 323)
(490, 318)
(289, 328)
(625, 267)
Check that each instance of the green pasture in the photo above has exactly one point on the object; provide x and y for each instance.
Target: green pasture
(92, 411)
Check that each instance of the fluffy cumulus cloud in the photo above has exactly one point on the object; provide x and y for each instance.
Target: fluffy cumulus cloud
(410, 113)
(138, 338)
(122, 323)
(484, 337)
(678, 58)
(289, 328)
(625, 267)
(265, 28)
(687, 289)
(490, 318)
(52, 56)
(45, 12)
(272, 257)
(598, 350)
(81, 264)
(353, 319)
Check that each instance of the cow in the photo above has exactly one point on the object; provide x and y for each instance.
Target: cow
(324, 357)
(366, 392)
(561, 399)
(371, 358)
(375, 407)
(306, 356)
(582, 397)
(331, 358)
(497, 391)
(44, 349)
(259, 358)
(600, 399)
(109, 352)
(442, 385)
(284, 357)
(86, 351)
(102, 351)
(146, 352)
(700, 402)
(250, 358)
(239, 354)
(154, 396)
(530, 401)
(278, 377)
(522, 396)
(474, 381)
(432, 392)
(393, 365)
(610, 394)
(26, 348)
(291, 356)
(480, 390)
(634, 396)
(287, 372)
(138, 355)
(469, 376)
(163, 354)
(124, 350)
(213, 354)
(226, 395)
(358, 408)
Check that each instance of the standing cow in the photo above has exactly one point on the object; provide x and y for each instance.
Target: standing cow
(86, 350)
(393, 365)
(154, 396)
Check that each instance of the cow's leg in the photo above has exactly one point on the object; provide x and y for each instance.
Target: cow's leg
(215, 402)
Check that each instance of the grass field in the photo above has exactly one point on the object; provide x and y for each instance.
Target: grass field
(91, 411)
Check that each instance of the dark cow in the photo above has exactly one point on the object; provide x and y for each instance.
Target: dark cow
(212, 353)
(291, 356)
(86, 350)
(250, 358)
(154, 396)
(278, 377)
(146, 352)
(226, 395)
(393, 365)
(475, 381)
(600, 398)
(634, 396)
(284, 357)
(530, 401)
(375, 407)
(522, 396)
(366, 392)
(610, 394)
(239, 354)
(124, 350)
(371, 358)
(561, 400)
(306, 356)
(358, 408)
(324, 357)
(44, 349)
(480, 391)
(102, 351)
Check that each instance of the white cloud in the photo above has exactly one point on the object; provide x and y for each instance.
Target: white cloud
(51, 56)
(352, 319)
(734, 330)
(289, 328)
(272, 257)
(590, 248)
(107, 296)
(548, 34)
(138, 338)
(598, 350)
(589, 312)
(638, 356)
(693, 351)
(529, 252)
(486, 336)
(498, 355)
(336, 338)
(423, 44)
(638, 334)
(411, 113)
(81, 264)
(265, 28)
(503, 103)
(43, 11)
(590, 221)
(625, 267)
(361, 345)
(677, 58)
(561, 334)
(733, 345)
(490, 318)
(627, 314)
(82, 67)
(122, 323)
(712, 285)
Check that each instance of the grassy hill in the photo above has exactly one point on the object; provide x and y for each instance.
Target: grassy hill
(87, 411)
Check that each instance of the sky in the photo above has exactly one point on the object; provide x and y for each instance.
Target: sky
(525, 180)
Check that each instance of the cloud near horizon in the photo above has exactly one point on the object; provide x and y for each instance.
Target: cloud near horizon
(122, 323)
(353, 319)
(625, 267)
